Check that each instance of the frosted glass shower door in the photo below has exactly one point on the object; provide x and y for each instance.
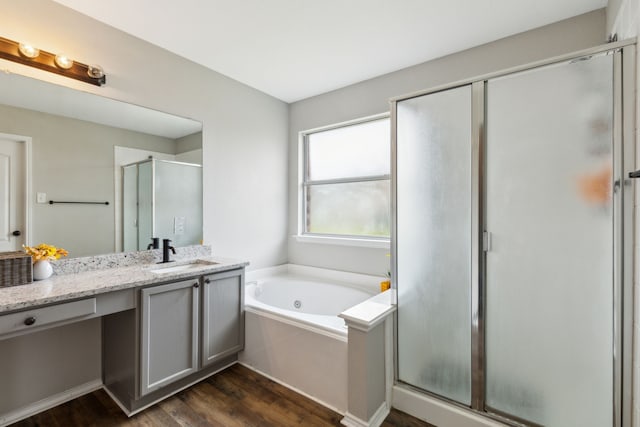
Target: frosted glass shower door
(433, 242)
(178, 202)
(549, 268)
(130, 208)
(146, 201)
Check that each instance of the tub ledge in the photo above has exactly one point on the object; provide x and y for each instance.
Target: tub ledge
(370, 313)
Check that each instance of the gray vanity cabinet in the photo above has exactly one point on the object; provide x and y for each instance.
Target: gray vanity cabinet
(222, 315)
(168, 333)
(180, 333)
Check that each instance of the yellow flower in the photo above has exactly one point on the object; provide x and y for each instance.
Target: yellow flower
(44, 252)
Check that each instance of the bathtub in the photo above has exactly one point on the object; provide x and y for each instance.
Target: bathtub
(313, 303)
(293, 334)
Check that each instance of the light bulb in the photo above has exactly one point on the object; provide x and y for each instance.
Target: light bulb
(63, 61)
(28, 51)
(95, 71)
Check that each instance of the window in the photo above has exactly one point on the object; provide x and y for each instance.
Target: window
(346, 181)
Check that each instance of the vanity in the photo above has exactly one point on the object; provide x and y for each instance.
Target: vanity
(164, 326)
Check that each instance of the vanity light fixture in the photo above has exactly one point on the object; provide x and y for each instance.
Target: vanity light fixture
(26, 54)
(63, 61)
(95, 71)
(28, 50)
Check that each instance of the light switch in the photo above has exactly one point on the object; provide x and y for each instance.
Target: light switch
(41, 198)
(178, 225)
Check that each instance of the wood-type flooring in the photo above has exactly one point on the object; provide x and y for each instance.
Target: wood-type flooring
(235, 397)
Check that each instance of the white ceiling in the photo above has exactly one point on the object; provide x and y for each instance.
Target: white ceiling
(294, 49)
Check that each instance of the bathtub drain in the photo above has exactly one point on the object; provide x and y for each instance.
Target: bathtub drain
(297, 304)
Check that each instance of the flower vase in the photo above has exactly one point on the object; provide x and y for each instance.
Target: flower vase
(42, 270)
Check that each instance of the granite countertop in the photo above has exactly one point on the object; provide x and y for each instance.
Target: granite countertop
(64, 287)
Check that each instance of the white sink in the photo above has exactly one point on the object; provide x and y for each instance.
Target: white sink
(178, 268)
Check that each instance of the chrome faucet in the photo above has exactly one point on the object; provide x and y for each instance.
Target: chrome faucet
(165, 250)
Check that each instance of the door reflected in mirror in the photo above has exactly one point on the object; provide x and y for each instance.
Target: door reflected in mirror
(79, 145)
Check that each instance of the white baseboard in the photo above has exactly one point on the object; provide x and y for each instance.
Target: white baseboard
(376, 420)
(437, 412)
(48, 403)
(351, 420)
(117, 401)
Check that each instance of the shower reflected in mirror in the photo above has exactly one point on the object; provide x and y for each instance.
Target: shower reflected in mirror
(161, 198)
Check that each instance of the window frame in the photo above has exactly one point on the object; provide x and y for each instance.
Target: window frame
(304, 183)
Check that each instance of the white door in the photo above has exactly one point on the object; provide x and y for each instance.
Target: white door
(12, 194)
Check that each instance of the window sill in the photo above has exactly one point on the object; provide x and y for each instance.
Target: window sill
(344, 241)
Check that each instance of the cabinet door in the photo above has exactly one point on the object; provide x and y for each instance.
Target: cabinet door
(222, 315)
(169, 334)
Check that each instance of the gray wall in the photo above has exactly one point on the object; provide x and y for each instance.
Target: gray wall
(622, 18)
(189, 148)
(371, 97)
(189, 143)
(613, 7)
(615, 19)
(244, 130)
(73, 160)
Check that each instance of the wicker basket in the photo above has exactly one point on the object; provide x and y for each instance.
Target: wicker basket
(15, 268)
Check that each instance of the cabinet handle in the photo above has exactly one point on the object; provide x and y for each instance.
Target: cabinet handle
(30, 321)
(196, 285)
(207, 281)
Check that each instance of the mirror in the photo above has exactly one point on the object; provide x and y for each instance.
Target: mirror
(80, 143)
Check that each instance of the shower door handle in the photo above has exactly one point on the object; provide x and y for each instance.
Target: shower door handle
(635, 174)
(486, 241)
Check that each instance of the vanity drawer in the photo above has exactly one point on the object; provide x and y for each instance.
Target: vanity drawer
(43, 316)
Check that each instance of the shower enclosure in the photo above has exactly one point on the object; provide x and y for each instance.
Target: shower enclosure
(512, 242)
(163, 199)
